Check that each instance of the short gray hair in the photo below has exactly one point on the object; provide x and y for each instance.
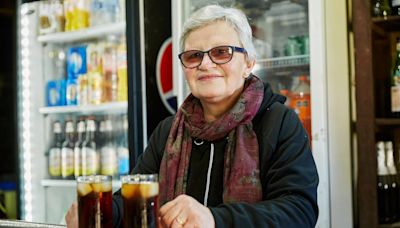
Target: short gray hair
(212, 13)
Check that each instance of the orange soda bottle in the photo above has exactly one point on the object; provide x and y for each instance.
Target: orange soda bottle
(301, 102)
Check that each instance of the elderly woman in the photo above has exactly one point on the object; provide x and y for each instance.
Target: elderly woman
(233, 155)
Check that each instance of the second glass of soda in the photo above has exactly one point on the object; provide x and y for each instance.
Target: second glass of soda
(140, 200)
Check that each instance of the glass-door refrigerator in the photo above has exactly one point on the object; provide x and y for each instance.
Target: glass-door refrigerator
(289, 38)
(80, 98)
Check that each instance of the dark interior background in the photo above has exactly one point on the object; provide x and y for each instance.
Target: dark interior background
(8, 101)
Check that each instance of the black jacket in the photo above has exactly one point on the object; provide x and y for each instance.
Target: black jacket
(288, 173)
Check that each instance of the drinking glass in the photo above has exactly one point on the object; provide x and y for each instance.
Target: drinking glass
(140, 200)
(94, 201)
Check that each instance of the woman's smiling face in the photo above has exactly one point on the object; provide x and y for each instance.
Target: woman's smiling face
(210, 82)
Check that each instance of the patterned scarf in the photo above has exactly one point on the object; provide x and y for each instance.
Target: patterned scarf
(241, 159)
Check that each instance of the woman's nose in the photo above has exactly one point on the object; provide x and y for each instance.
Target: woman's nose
(206, 62)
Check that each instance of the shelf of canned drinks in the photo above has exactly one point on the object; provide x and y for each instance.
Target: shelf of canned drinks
(71, 183)
(280, 62)
(84, 34)
(113, 107)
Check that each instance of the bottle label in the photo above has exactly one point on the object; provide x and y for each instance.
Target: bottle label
(395, 3)
(90, 161)
(395, 98)
(55, 162)
(108, 161)
(67, 162)
(123, 160)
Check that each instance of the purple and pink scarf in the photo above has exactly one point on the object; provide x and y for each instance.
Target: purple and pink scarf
(241, 159)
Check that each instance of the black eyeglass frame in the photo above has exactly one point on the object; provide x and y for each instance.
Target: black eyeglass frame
(232, 48)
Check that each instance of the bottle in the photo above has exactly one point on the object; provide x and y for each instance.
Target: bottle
(94, 72)
(395, 84)
(81, 14)
(54, 152)
(122, 71)
(123, 149)
(393, 182)
(90, 157)
(104, 11)
(78, 147)
(381, 8)
(67, 152)
(68, 14)
(58, 11)
(108, 152)
(301, 102)
(382, 185)
(396, 7)
(110, 77)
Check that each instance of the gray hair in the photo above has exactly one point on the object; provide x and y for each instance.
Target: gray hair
(212, 13)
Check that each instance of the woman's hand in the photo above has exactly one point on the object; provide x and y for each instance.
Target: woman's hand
(185, 211)
(71, 218)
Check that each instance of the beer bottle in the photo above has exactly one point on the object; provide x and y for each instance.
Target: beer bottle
(90, 157)
(393, 183)
(108, 153)
(54, 152)
(67, 152)
(395, 84)
(383, 185)
(381, 8)
(78, 147)
(123, 151)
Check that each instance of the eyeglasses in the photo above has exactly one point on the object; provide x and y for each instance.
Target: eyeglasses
(218, 55)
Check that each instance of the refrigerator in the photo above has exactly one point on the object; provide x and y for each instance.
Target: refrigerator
(73, 68)
(292, 56)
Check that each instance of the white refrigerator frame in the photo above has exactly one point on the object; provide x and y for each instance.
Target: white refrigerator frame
(330, 104)
(44, 200)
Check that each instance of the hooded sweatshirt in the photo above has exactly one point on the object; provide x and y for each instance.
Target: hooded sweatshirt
(288, 173)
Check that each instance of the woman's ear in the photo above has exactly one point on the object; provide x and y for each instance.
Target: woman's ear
(249, 66)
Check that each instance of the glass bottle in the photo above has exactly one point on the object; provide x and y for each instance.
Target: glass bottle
(383, 185)
(381, 8)
(395, 84)
(54, 152)
(123, 150)
(78, 147)
(90, 157)
(393, 183)
(396, 7)
(108, 153)
(67, 152)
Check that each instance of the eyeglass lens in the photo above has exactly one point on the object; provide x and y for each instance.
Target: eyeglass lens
(218, 55)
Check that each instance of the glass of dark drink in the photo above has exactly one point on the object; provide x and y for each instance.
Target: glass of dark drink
(140, 200)
(94, 201)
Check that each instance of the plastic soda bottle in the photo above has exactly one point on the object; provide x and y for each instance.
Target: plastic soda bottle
(122, 72)
(301, 102)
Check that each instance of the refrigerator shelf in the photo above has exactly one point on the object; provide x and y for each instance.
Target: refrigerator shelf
(84, 34)
(70, 183)
(282, 62)
(114, 107)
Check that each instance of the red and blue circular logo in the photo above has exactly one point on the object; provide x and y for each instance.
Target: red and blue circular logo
(164, 76)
